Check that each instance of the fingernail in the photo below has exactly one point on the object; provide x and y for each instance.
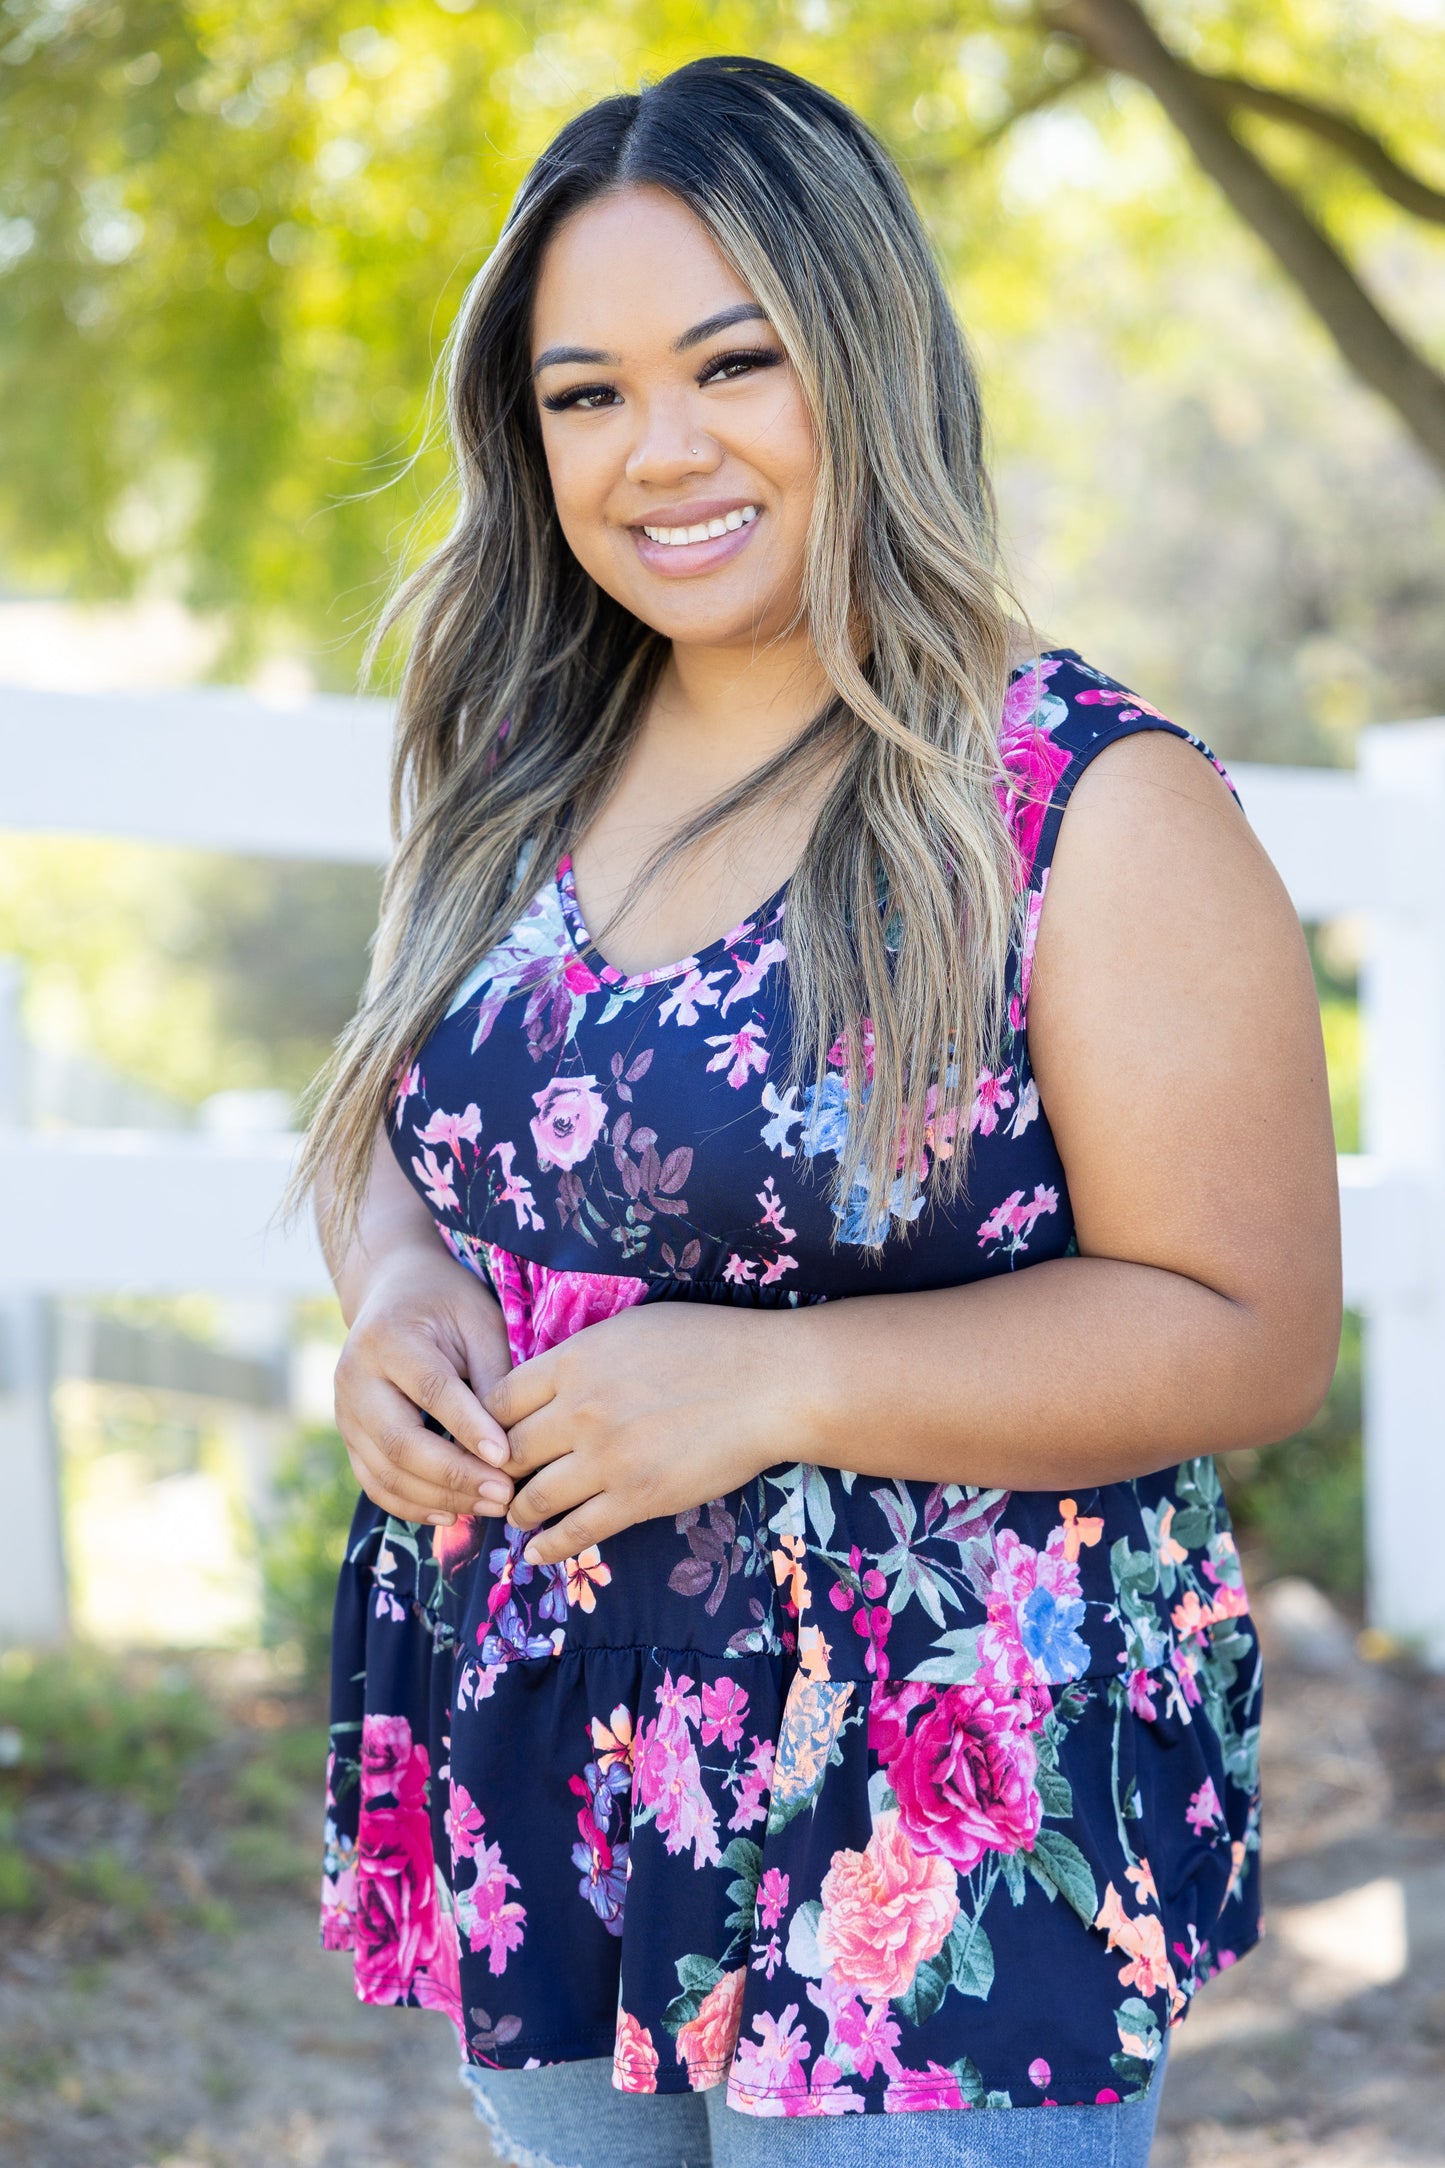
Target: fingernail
(441, 1520)
(496, 1450)
(492, 1503)
(530, 1554)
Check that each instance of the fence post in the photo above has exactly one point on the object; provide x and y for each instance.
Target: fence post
(1402, 996)
(256, 1325)
(33, 1604)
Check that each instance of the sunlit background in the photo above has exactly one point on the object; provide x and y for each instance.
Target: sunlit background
(232, 240)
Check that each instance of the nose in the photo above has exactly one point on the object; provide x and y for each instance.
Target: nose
(671, 443)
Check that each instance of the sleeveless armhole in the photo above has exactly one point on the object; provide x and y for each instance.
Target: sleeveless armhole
(1046, 746)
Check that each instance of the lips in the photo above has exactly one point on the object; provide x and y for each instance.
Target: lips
(696, 511)
(738, 519)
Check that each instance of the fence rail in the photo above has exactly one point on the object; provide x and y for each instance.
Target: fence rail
(108, 1210)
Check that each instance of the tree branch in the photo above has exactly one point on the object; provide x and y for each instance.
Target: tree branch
(1341, 133)
(1044, 94)
(1119, 36)
(1041, 96)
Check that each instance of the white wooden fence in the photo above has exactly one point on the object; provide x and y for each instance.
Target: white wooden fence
(103, 1211)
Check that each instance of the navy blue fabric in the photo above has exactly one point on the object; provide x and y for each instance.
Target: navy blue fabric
(854, 1796)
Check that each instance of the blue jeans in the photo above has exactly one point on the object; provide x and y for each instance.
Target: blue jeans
(570, 2116)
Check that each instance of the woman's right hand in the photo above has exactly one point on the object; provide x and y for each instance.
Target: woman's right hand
(426, 1336)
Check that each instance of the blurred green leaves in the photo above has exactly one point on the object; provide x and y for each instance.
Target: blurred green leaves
(232, 238)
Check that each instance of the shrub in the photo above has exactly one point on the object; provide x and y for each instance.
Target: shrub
(303, 1547)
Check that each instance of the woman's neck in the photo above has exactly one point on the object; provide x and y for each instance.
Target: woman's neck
(725, 711)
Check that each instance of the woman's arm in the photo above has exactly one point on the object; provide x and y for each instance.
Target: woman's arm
(424, 1335)
(1175, 1037)
(1174, 1033)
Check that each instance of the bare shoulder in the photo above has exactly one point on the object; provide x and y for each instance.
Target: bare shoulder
(1154, 838)
(1175, 1035)
(1151, 780)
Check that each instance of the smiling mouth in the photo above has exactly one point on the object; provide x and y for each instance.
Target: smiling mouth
(705, 530)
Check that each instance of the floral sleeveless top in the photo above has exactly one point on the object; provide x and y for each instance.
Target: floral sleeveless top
(851, 1795)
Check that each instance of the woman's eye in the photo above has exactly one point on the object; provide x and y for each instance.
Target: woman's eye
(723, 367)
(589, 397)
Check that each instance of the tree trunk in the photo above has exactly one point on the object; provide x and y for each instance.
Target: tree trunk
(1117, 34)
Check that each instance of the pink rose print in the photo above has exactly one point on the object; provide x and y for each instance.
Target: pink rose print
(634, 2058)
(1032, 762)
(705, 2043)
(542, 1307)
(391, 1763)
(396, 1908)
(568, 1120)
(962, 1763)
(885, 1909)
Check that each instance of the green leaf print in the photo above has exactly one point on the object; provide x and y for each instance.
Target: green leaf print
(970, 1957)
(959, 1662)
(818, 1503)
(698, 1976)
(924, 1992)
(1057, 1860)
(746, 1861)
(970, 2081)
(1192, 1526)
(1056, 1794)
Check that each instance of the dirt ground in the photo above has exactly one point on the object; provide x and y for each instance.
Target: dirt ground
(201, 2049)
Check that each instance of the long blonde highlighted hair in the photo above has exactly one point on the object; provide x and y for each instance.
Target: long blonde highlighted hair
(524, 681)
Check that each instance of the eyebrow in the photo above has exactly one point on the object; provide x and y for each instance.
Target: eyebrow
(742, 312)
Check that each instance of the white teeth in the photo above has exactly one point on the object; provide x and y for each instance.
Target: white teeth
(679, 537)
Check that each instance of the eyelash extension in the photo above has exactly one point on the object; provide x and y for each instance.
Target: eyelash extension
(557, 402)
(755, 357)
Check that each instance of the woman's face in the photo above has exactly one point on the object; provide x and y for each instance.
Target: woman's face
(669, 410)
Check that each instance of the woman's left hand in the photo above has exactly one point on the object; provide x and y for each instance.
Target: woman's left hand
(643, 1414)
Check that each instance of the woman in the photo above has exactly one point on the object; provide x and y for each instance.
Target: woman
(791, 1658)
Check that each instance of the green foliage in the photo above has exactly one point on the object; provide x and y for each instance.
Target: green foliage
(302, 1551)
(19, 1887)
(104, 1878)
(232, 239)
(81, 1716)
(188, 971)
(261, 1857)
(1302, 1501)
